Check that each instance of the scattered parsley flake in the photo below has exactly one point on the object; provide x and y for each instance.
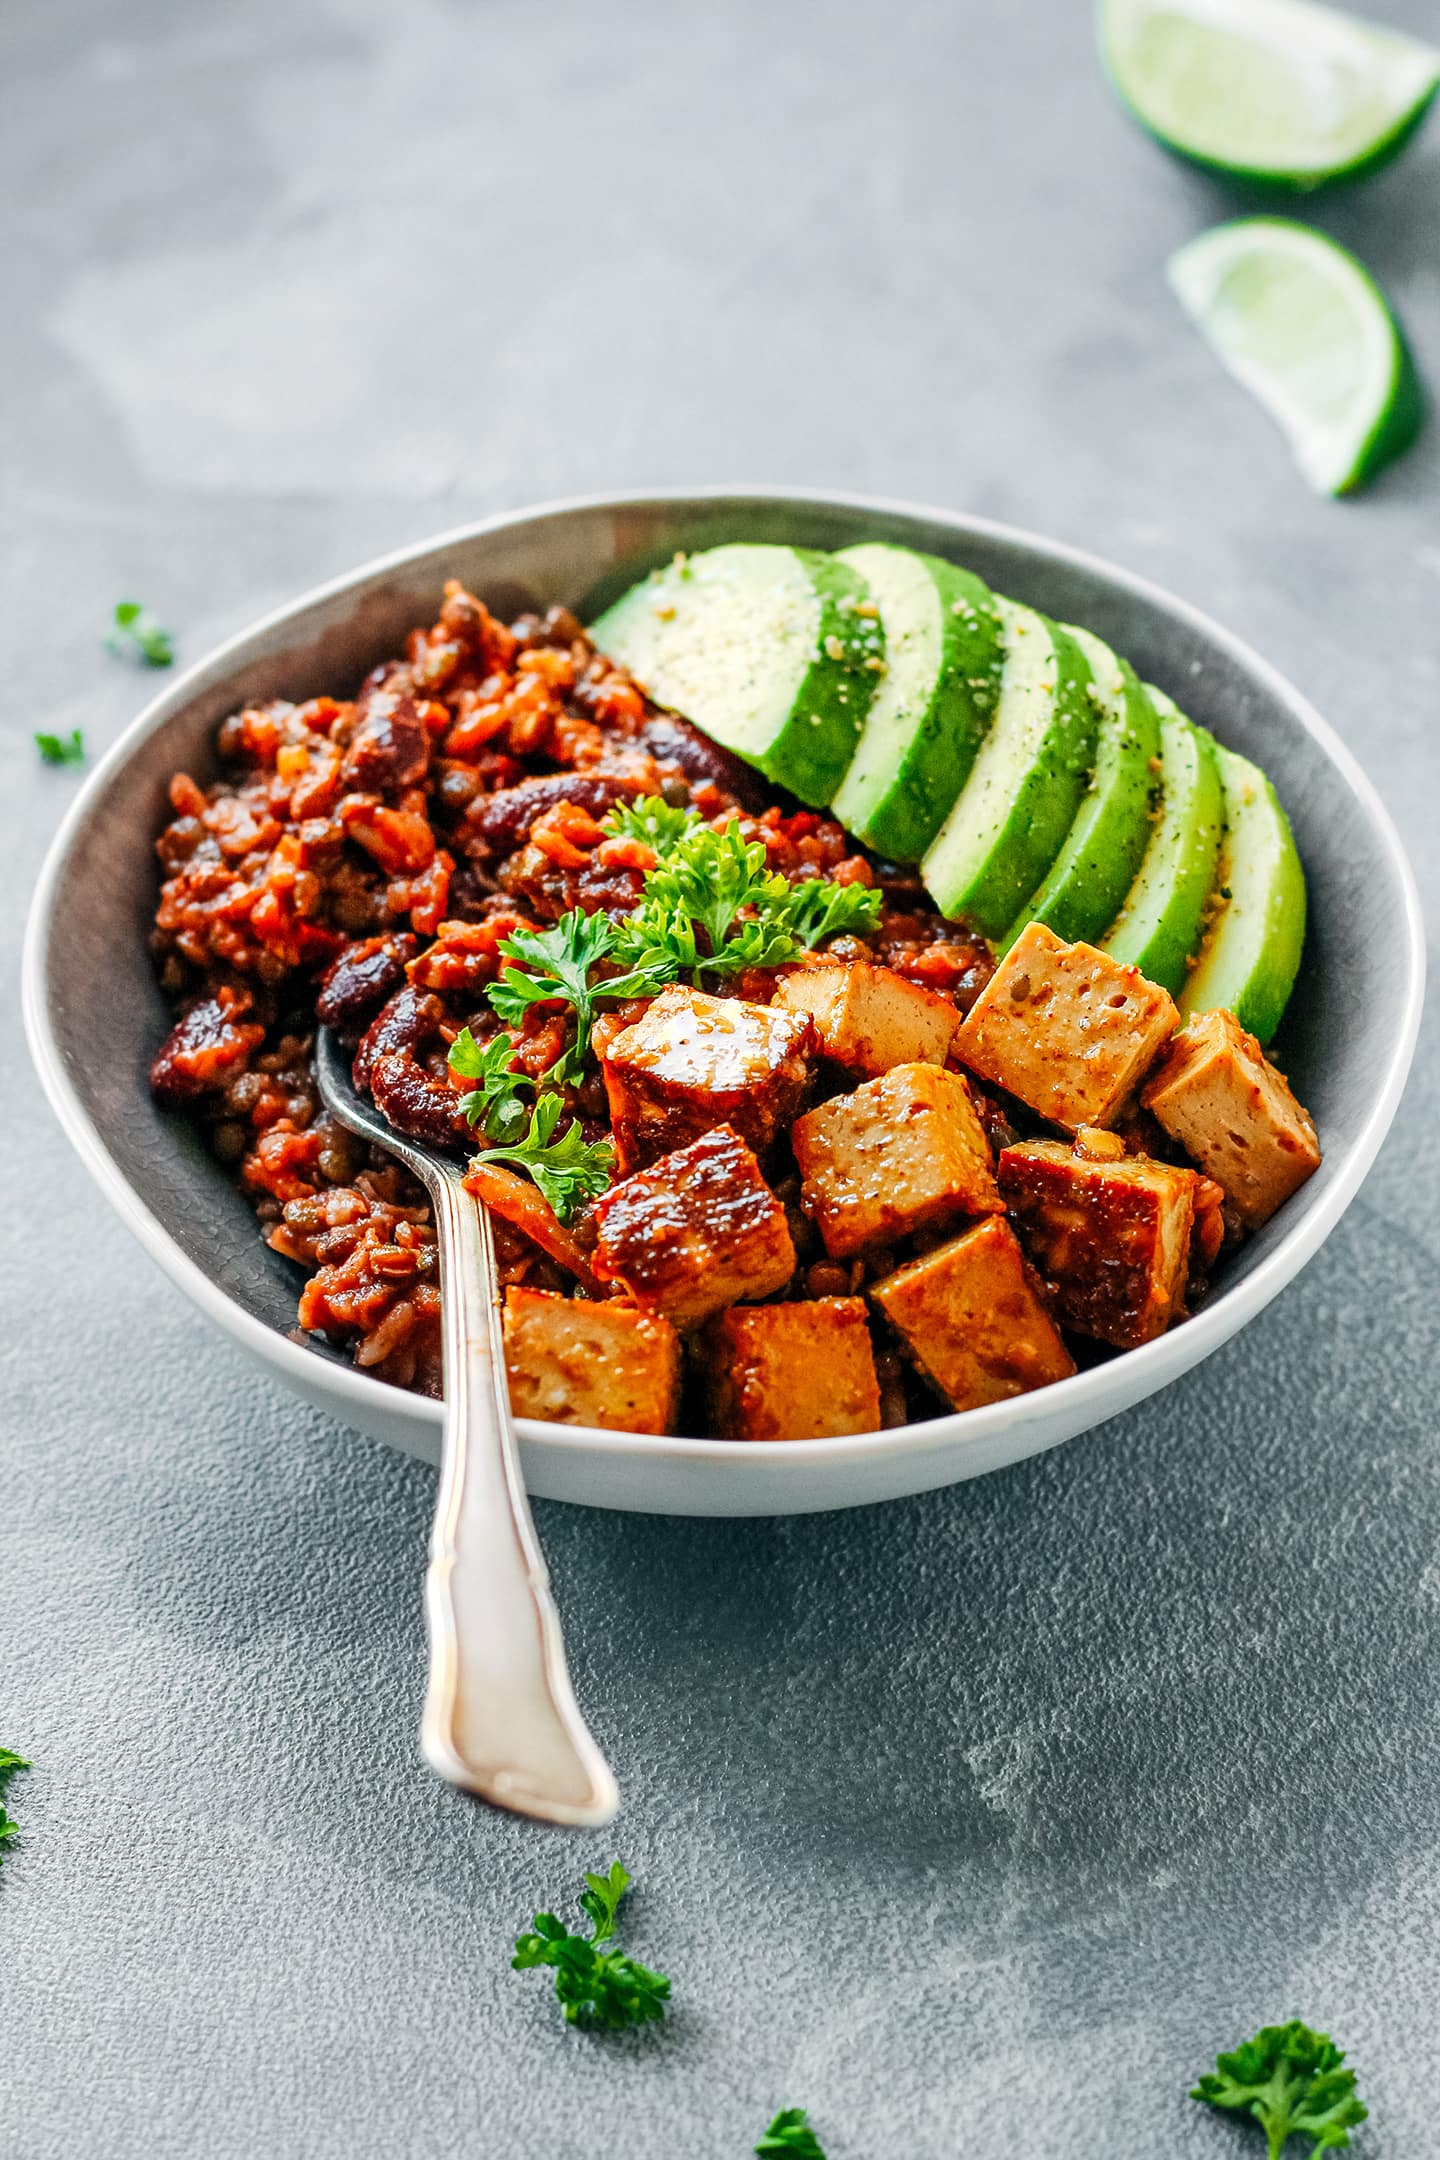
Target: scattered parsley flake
(790, 2138)
(599, 1989)
(62, 749)
(1289, 2080)
(10, 1762)
(137, 634)
(565, 1171)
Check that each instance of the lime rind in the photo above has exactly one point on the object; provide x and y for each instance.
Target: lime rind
(1283, 307)
(1279, 93)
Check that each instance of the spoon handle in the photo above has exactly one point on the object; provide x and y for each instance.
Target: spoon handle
(500, 1714)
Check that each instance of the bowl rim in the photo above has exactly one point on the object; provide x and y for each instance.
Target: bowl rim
(350, 1390)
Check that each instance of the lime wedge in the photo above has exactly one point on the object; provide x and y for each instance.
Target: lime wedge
(1305, 327)
(1272, 90)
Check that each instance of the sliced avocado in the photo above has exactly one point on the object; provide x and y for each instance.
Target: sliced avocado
(1160, 927)
(929, 715)
(1252, 950)
(1009, 821)
(1094, 870)
(774, 651)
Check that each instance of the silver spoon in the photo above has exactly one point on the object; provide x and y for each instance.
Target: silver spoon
(500, 1714)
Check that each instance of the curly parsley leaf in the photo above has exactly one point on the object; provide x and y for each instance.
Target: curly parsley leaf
(790, 2138)
(598, 1989)
(600, 1899)
(711, 877)
(565, 1171)
(652, 821)
(137, 635)
(712, 906)
(554, 966)
(551, 964)
(62, 749)
(816, 909)
(10, 1762)
(1289, 2080)
(494, 1102)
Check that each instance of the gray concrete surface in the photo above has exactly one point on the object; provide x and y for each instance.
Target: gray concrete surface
(975, 1823)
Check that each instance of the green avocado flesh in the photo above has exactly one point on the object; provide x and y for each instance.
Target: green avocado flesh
(1018, 761)
(1160, 927)
(776, 652)
(930, 713)
(1094, 870)
(1010, 819)
(1252, 952)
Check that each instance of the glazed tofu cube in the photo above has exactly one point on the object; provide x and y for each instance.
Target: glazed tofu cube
(692, 1062)
(576, 1363)
(974, 1318)
(792, 1372)
(698, 1230)
(1111, 1239)
(899, 1154)
(1217, 1093)
(869, 1019)
(1065, 1029)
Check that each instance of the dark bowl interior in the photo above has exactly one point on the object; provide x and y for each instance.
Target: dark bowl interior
(1347, 1022)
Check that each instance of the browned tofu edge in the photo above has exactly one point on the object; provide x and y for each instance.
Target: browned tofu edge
(1234, 1113)
(573, 1361)
(1001, 1040)
(697, 1230)
(852, 1213)
(1096, 1283)
(912, 1299)
(799, 1371)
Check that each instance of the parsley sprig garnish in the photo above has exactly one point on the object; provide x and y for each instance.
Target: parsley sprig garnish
(62, 749)
(566, 1171)
(789, 2137)
(137, 634)
(1289, 2080)
(557, 964)
(10, 1762)
(598, 1988)
(711, 906)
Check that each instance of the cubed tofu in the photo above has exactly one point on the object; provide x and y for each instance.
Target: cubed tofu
(1217, 1093)
(1111, 1239)
(901, 1153)
(974, 1318)
(792, 1372)
(868, 1018)
(578, 1363)
(1065, 1029)
(698, 1230)
(692, 1062)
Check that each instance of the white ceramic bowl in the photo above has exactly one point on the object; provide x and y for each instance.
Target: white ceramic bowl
(1347, 1039)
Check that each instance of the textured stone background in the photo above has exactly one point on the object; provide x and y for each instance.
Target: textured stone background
(975, 1823)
